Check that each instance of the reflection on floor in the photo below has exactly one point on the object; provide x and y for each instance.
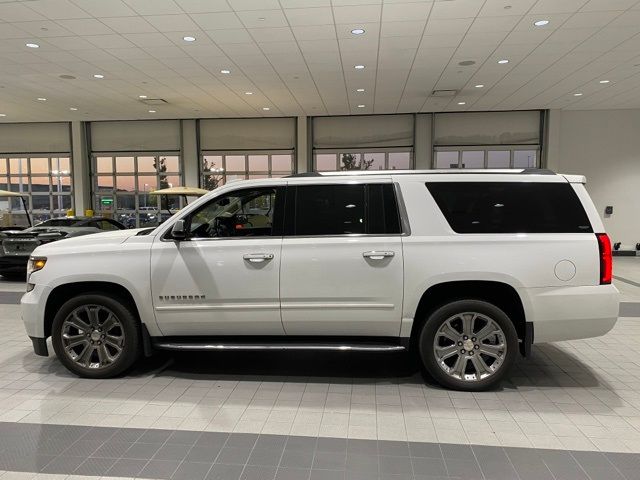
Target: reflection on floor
(573, 396)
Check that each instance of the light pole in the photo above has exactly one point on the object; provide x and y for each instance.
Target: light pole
(57, 174)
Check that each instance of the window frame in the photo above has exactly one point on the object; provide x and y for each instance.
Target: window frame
(278, 215)
(486, 149)
(135, 173)
(223, 172)
(51, 193)
(291, 200)
(362, 151)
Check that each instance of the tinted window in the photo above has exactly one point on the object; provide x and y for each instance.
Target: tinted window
(383, 216)
(344, 209)
(243, 213)
(329, 210)
(510, 207)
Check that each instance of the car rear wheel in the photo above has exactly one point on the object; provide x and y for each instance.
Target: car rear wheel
(96, 336)
(468, 345)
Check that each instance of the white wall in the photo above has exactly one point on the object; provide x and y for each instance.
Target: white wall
(603, 145)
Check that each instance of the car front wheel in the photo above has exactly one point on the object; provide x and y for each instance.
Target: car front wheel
(468, 345)
(96, 336)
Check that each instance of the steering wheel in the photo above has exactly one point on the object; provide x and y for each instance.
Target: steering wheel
(219, 228)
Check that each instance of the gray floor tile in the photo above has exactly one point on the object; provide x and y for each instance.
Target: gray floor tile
(31, 463)
(172, 452)
(463, 468)
(489, 454)
(233, 455)
(533, 472)
(327, 475)
(271, 441)
(297, 458)
(159, 469)
(62, 464)
(83, 448)
(301, 443)
(128, 435)
(155, 436)
(284, 473)
(329, 461)
(241, 440)
(498, 470)
(395, 465)
(126, 467)
(99, 433)
(192, 471)
(429, 450)
(142, 451)
(606, 473)
(112, 449)
(225, 472)
(428, 466)
(212, 439)
(456, 451)
(94, 466)
(258, 472)
(362, 463)
(334, 445)
(265, 456)
(203, 453)
(368, 447)
(183, 438)
(394, 449)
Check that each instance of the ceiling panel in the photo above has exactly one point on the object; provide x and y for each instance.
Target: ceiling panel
(298, 56)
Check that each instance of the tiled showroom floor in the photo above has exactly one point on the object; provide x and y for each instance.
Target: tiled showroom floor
(572, 411)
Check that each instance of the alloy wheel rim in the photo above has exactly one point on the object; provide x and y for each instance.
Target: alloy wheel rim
(470, 346)
(93, 336)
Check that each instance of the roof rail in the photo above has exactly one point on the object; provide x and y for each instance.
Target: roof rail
(510, 171)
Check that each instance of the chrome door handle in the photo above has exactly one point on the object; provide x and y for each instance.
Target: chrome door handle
(258, 257)
(373, 255)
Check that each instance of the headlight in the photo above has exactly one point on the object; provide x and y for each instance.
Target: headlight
(35, 264)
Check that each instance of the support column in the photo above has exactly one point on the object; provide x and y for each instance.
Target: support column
(81, 161)
(551, 154)
(423, 141)
(303, 147)
(190, 154)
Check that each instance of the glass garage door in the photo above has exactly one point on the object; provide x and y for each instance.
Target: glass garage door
(218, 168)
(362, 159)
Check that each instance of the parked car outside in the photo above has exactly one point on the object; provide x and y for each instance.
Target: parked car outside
(465, 269)
(17, 245)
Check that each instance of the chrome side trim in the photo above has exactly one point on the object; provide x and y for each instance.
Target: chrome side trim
(312, 306)
(277, 346)
(242, 306)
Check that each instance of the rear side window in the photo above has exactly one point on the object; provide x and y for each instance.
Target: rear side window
(342, 210)
(510, 207)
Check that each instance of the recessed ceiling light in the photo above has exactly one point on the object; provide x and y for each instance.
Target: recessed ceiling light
(577, 94)
(42, 99)
(189, 39)
(360, 90)
(73, 109)
(248, 93)
(462, 103)
(480, 85)
(357, 31)
(605, 81)
(67, 77)
(32, 45)
(97, 75)
(225, 71)
(152, 111)
(541, 23)
(361, 106)
(266, 108)
(3, 114)
(466, 63)
(358, 67)
(142, 96)
(503, 61)
(262, 19)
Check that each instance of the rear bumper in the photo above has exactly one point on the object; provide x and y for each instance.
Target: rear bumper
(570, 313)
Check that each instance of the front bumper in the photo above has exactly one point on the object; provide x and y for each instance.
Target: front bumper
(32, 307)
(571, 313)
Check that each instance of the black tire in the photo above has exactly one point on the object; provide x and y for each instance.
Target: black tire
(131, 347)
(438, 317)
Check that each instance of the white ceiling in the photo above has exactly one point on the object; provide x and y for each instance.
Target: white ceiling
(298, 56)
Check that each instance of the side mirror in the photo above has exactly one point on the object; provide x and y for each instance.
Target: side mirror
(178, 232)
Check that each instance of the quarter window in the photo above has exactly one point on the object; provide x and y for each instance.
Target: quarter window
(510, 207)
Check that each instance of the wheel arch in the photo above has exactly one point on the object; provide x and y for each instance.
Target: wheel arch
(60, 294)
(500, 294)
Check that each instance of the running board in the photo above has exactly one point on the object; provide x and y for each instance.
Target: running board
(219, 344)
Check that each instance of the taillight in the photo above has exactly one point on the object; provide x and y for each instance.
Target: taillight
(606, 259)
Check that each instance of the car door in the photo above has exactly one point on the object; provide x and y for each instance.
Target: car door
(223, 278)
(342, 263)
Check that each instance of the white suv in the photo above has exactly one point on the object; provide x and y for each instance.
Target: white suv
(466, 269)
